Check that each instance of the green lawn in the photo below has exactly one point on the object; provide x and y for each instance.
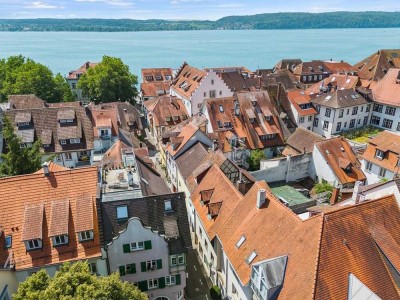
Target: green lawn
(361, 135)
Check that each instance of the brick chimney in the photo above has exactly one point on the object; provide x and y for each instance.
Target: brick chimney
(335, 196)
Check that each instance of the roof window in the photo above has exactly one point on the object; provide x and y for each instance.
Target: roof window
(240, 241)
(221, 109)
(167, 206)
(251, 257)
(122, 212)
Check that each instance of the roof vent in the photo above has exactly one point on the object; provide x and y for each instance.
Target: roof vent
(45, 167)
(261, 196)
(327, 151)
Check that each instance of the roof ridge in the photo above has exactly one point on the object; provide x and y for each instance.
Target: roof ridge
(319, 252)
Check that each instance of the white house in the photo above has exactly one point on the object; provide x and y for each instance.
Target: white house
(73, 79)
(302, 109)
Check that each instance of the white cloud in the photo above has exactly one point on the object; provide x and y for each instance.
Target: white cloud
(109, 2)
(42, 5)
(185, 1)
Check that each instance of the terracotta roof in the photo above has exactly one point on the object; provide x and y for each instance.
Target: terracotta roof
(388, 142)
(341, 67)
(288, 63)
(374, 67)
(53, 167)
(84, 213)
(349, 245)
(283, 77)
(240, 69)
(187, 80)
(103, 118)
(340, 99)
(311, 67)
(25, 102)
(21, 193)
(75, 74)
(387, 90)
(154, 89)
(59, 218)
(165, 107)
(237, 82)
(299, 97)
(335, 151)
(153, 72)
(178, 142)
(303, 140)
(336, 81)
(47, 127)
(191, 159)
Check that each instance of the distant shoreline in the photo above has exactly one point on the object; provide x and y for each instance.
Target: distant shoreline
(269, 21)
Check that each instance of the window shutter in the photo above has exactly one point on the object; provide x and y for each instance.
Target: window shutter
(127, 248)
(161, 282)
(147, 245)
(122, 270)
(133, 269)
(159, 263)
(142, 285)
(178, 279)
(143, 266)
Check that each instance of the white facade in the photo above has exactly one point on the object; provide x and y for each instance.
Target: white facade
(332, 121)
(211, 86)
(323, 170)
(72, 159)
(306, 121)
(386, 117)
(104, 139)
(133, 262)
(375, 173)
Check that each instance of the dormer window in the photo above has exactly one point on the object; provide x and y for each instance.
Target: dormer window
(63, 121)
(21, 124)
(252, 120)
(167, 206)
(379, 154)
(158, 77)
(149, 78)
(74, 141)
(63, 142)
(268, 118)
(8, 242)
(85, 235)
(33, 244)
(60, 240)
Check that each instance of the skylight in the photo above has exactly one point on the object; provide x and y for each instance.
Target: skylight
(251, 257)
(328, 97)
(241, 241)
(221, 109)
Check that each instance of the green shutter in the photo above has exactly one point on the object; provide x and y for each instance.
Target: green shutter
(142, 285)
(147, 245)
(143, 266)
(178, 279)
(159, 263)
(127, 248)
(132, 269)
(122, 270)
(161, 282)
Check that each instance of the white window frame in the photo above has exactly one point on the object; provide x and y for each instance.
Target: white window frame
(60, 240)
(152, 283)
(33, 244)
(328, 112)
(63, 142)
(23, 124)
(93, 268)
(382, 172)
(181, 257)
(68, 156)
(368, 166)
(379, 154)
(172, 258)
(153, 265)
(213, 92)
(74, 141)
(170, 280)
(137, 246)
(87, 235)
(301, 120)
(327, 125)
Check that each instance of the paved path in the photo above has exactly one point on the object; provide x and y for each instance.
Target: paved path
(197, 286)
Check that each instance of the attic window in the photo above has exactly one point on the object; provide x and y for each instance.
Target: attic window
(221, 109)
(219, 124)
(251, 257)
(240, 241)
(122, 212)
(379, 154)
(167, 206)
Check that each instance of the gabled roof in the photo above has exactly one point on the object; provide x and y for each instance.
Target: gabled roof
(288, 63)
(179, 141)
(311, 67)
(77, 73)
(103, 118)
(340, 99)
(187, 80)
(28, 208)
(337, 150)
(388, 142)
(283, 77)
(341, 67)
(302, 140)
(161, 108)
(191, 159)
(387, 90)
(26, 102)
(375, 66)
(151, 181)
(153, 72)
(237, 82)
(299, 97)
(155, 89)
(336, 81)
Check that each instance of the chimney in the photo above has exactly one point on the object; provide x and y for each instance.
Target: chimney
(87, 65)
(335, 196)
(45, 167)
(261, 196)
(237, 109)
(357, 191)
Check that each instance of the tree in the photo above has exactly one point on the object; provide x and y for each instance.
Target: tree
(74, 281)
(19, 75)
(109, 81)
(17, 160)
(255, 158)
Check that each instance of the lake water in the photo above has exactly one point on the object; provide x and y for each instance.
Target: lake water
(65, 51)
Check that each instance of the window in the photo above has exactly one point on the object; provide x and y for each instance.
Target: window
(122, 212)
(199, 105)
(368, 108)
(251, 257)
(315, 77)
(73, 85)
(387, 123)
(22, 145)
(85, 235)
(212, 81)
(345, 125)
(378, 107)
(173, 260)
(74, 141)
(93, 268)
(220, 93)
(23, 124)
(368, 166)
(59, 240)
(63, 142)
(341, 112)
(179, 296)
(398, 126)
(315, 122)
(382, 172)
(355, 110)
(362, 108)
(181, 259)
(212, 94)
(167, 206)
(310, 78)
(328, 112)
(390, 110)
(309, 118)
(301, 120)
(8, 241)
(352, 123)
(153, 283)
(304, 78)
(317, 108)
(58, 157)
(375, 120)
(320, 77)
(348, 111)
(205, 94)
(68, 156)
(326, 125)
(136, 246)
(339, 126)
(365, 120)
(221, 109)
(33, 244)
(170, 280)
(240, 241)
(151, 265)
(379, 154)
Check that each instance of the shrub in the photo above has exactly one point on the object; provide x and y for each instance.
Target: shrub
(215, 292)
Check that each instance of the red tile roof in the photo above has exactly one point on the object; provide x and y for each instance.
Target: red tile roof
(298, 97)
(387, 90)
(33, 222)
(161, 108)
(77, 73)
(104, 118)
(59, 218)
(337, 81)
(153, 72)
(187, 80)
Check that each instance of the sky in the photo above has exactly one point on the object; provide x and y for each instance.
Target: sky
(178, 9)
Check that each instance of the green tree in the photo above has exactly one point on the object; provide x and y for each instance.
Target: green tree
(255, 158)
(17, 160)
(19, 75)
(74, 281)
(109, 81)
